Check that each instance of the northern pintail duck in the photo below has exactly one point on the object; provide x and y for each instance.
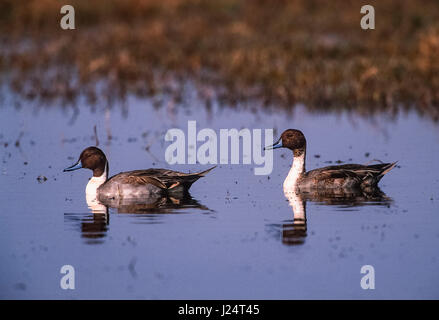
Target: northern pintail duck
(131, 184)
(341, 176)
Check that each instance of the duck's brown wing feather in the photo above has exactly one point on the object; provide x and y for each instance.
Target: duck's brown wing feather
(332, 178)
(139, 179)
(352, 171)
(162, 178)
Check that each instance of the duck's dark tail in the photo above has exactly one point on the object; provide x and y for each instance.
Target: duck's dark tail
(375, 172)
(192, 177)
(203, 173)
(386, 167)
(186, 180)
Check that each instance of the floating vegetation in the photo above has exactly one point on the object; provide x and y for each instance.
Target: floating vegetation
(41, 179)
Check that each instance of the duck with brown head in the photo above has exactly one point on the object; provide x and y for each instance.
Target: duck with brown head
(342, 176)
(131, 184)
(94, 159)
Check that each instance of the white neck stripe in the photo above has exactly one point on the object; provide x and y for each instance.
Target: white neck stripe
(95, 183)
(297, 169)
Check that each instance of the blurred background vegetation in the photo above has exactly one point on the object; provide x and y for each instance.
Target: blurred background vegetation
(259, 52)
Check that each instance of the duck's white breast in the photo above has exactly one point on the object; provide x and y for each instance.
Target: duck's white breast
(94, 184)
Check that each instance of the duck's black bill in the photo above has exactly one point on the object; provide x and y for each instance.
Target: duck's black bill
(76, 166)
(277, 145)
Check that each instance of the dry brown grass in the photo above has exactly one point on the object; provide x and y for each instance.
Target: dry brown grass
(267, 52)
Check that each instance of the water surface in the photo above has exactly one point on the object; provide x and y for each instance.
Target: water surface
(236, 237)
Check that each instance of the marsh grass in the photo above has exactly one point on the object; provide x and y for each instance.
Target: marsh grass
(268, 53)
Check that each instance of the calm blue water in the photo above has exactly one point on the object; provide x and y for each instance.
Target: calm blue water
(235, 239)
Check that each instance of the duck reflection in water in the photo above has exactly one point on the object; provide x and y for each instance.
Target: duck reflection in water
(155, 205)
(94, 226)
(344, 185)
(294, 232)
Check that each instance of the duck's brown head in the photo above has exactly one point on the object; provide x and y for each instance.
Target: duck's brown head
(291, 139)
(91, 158)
